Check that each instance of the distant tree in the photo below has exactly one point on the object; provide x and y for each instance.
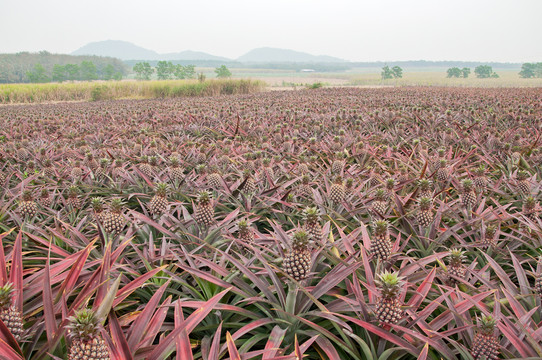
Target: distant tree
(201, 77)
(529, 70)
(484, 72)
(222, 72)
(59, 73)
(454, 72)
(71, 71)
(465, 72)
(164, 70)
(38, 75)
(108, 72)
(190, 71)
(88, 71)
(397, 72)
(143, 71)
(117, 76)
(386, 73)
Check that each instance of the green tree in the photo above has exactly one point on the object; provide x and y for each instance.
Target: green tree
(164, 70)
(222, 72)
(190, 71)
(143, 71)
(72, 71)
(454, 72)
(108, 72)
(59, 73)
(484, 72)
(528, 70)
(397, 72)
(465, 72)
(117, 76)
(386, 73)
(37, 75)
(88, 71)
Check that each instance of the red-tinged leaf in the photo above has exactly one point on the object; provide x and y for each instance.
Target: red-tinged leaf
(369, 276)
(119, 249)
(154, 224)
(505, 278)
(104, 275)
(229, 218)
(333, 278)
(416, 300)
(297, 350)
(184, 350)
(424, 352)
(139, 327)
(155, 326)
(249, 327)
(48, 307)
(232, 350)
(328, 348)
(518, 343)
(460, 308)
(307, 344)
(16, 272)
(8, 353)
(3, 266)
(167, 345)
(386, 335)
(7, 338)
(215, 346)
(75, 271)
(135, 284)
(518, 309)
(54, 249)
(273, 343)
(117, 336)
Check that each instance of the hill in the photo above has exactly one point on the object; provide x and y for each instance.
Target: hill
(274, 55)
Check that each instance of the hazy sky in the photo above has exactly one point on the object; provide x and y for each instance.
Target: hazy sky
(479, 30)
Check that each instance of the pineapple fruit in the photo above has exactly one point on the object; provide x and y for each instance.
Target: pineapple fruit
(381, 244)
(28, 206)
(312, 224)
(113, 221)
(86, 340)
(388, 308)
(159, 203)
(246, 234)
(424, 215)
(522, 183)
(9, 315)
(468, 196)
(337, 191)
(456, 268)
(204, 211)
(380, 202)
(297, 262)
(485, 344)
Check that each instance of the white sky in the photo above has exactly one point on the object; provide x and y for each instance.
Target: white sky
(387, 30)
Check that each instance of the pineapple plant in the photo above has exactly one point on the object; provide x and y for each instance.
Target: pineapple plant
(249, 186)
(118, 168)
(456, 269)
(380, 243)
(246, 234)
(337, 191)
(530, 208)
(388, 307)
(113, 221)
(159, 203)
(297, 262)
(442, 173)
(425, 187)
(28, 207)
(489, 236)
(101, 170)
(485, 344)
(10, 316)
(203, 209)
(48, 170)
(214, 179)
(74, 201)
(90, 162)
(305, 189)
(338, 164)
(522, 183)
(312, 223)
(45, 199)
(86, 340)
(390, 185)
(480, 179)
(380, 202)
(176, 172)
(424, 215)
(145, 167)
(98, 208)
(76, 172)
(468, 196)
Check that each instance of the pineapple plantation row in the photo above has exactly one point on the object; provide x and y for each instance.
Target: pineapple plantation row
(317, 224)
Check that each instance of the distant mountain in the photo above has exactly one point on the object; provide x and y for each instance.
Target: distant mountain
(125, 50)
(274, 55)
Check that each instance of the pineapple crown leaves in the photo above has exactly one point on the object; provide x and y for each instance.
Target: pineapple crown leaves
(457, 256)
(27, 195)
(390, 183)
(84, 324)
(161, 189)
(389, 283)
(243, 224)
(73, 191)
(174, 162)
(490, 231)
(380, 227)
(116, 205)
(311, 214)
(305, 179)
(425, 203)
(6, 292)
(204, 197)
(380, 195)
(522, 175)
(486, 324)
(529, 203)
(300, 239)
(466, 185)
(97, 204)
(104, 162)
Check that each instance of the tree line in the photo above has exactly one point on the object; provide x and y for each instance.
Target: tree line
(166, 70)
(27, 67)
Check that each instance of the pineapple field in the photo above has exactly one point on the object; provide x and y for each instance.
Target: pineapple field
(340, 223)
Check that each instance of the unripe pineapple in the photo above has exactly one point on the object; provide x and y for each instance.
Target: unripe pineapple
(90, 162)
(73, 197)
(390, 184)
(118, 168)
(76, 171)
(204, 211)
(305, 189)
(485, 344)
(530, 208)
(538, 280)
(425, 188)
(337, 191)
(87, 342)
(489, 236)
(250, 184)
(338, 164)
(10, 316)
(312, 223)
(297, 262)
(468, 196)
(381, 244)
(268, 168)
(442, 173)
(28, 206)
(424, 215)
(145, 167)
(45, 198)
(113, 221)
(480, 180)
(176, 172)
(159, 203)
(246, 234)
(522, 183)
(456, 268)
(98, 208)
(303, 168)
(48, 170)
(388, 308)
(348, 186)
(380, 203)
(213, 179)
(101, 170)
